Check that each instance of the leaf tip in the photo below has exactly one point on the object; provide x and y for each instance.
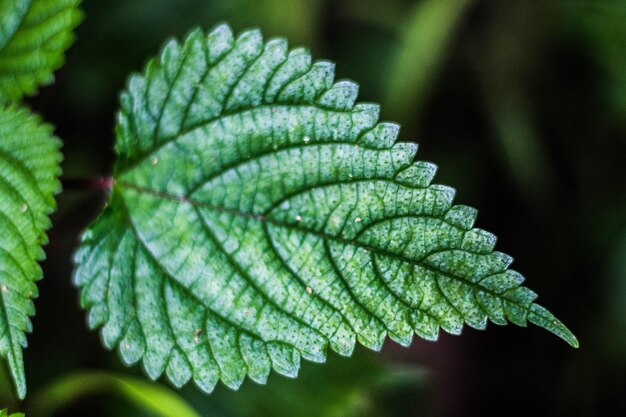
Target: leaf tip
(543, 318)
(20, 382)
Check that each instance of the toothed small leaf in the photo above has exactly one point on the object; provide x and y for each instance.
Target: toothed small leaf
(34, 35)
(29, 167)
(260, 216)
(5, 413)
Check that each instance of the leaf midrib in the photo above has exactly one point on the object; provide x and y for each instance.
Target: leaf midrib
(326, 236)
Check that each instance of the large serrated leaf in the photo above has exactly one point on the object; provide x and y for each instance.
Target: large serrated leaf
(29, 167)
(259, 215)
(34, 34)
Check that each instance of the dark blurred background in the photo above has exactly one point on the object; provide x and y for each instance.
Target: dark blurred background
(521, 103)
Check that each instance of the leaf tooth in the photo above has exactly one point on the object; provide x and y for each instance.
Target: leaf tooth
(364, 118)
(492, 306)
(403, 339)
(298, 63)
(500, 260)
(368, 110)
(254, 353)
(219, 42)
(425, 325)
(223, 342)
(249, 90)
(308, 86)
(452, 322)
(515, 314)
(505, 281)
(341, 96)
(154, 363)
(152, 67)
(132, 346)
(383, 136)
(280, 44)
(178, 369)
(477, 322)
(250, 42)
(343, 340)
(186, 320)
(206, 378)
(402, 154)
(462, 216)
(374, 342)
(478, 240)
(194, 35)
(457, 305)
(97, 316)
(285, 359)
(521, 295)
(517, 302)
(171, 58)
(82, 253)
(420, 174)
(445, 196)
(314, 352)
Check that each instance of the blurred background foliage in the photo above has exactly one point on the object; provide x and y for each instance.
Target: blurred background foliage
(522, 104)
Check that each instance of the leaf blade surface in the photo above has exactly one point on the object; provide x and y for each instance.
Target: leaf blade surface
(259, 216)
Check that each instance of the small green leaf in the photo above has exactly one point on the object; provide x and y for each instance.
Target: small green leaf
(34, 34)
(29, 167)
(364, 385)
(5, 413)
(153, 398)
(260, 216)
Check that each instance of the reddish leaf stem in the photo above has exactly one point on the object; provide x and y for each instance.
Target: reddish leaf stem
(86, 184)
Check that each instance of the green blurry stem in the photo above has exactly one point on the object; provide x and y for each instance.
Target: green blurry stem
(506, 95)
(7, 398)
(517, 141)
(425, 41)
(150, 397)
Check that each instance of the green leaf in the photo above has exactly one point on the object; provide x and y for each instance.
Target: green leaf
(29, 167)
(364, 385)
(34, 34)
(259, 216)
(153, 398)
(5, 413)
(425, 41)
